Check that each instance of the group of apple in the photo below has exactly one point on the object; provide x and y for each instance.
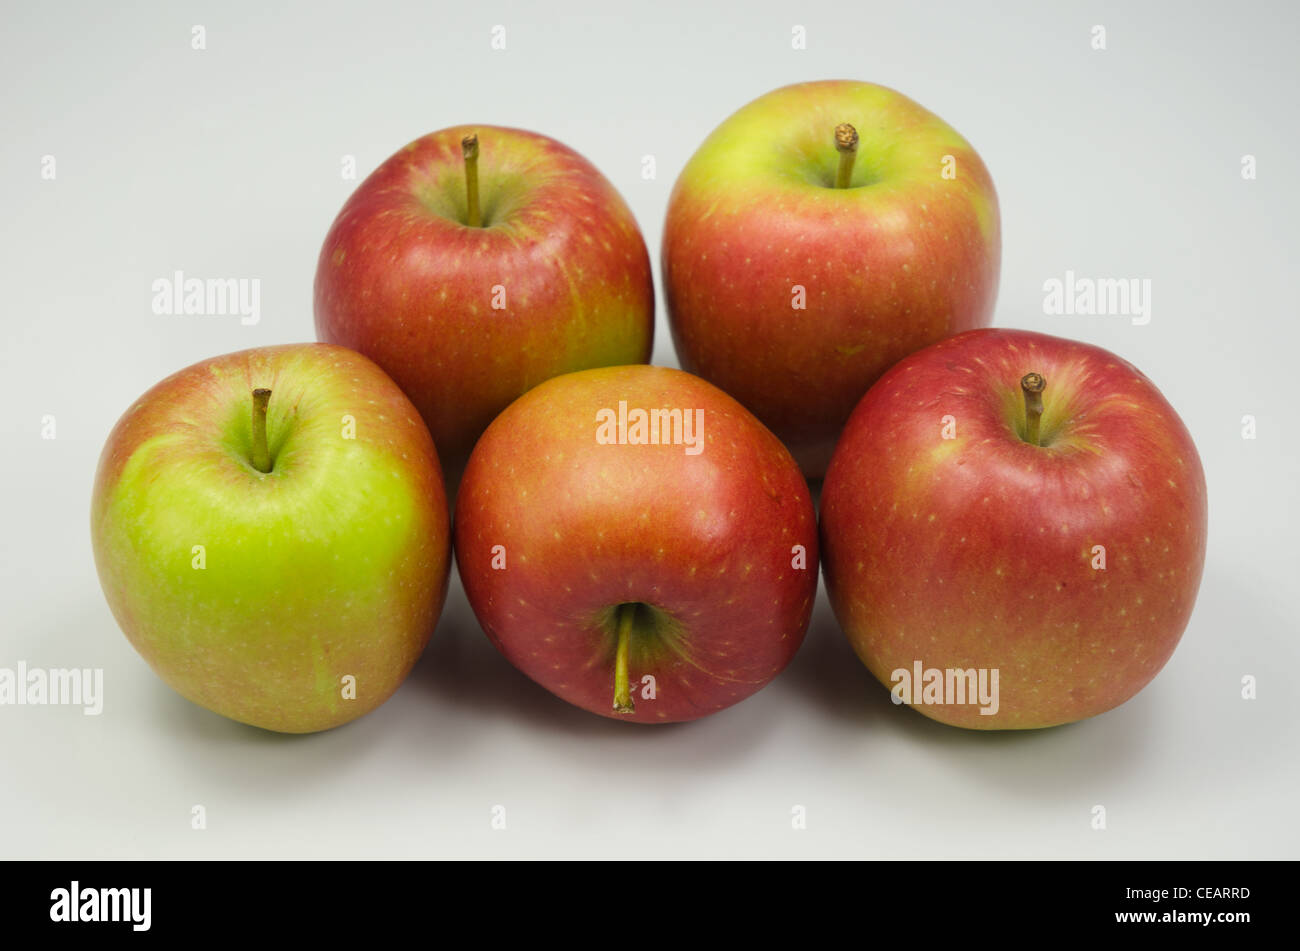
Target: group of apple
(272, 527)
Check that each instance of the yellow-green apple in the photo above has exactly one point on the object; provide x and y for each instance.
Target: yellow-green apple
(271, 532)
(477, 262)
(1008, 502)
(636, 542)
(819, 235)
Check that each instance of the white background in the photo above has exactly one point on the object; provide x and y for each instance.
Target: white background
(226, 162)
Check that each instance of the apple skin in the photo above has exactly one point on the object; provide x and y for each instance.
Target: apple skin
(334, 563)
(706, 539)
(403, 280)
(977, 551)
(902, 258)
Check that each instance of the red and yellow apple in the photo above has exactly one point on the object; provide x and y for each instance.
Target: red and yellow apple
(819, 235)
(975, 519)
(636, 542)
(477, 262)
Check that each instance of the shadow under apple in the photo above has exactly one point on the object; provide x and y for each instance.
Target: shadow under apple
(460, 668)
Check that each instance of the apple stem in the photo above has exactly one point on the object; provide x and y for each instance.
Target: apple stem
(469, 149)
(846, 143)
(1033, 385)
(261, 455)
(622, 691)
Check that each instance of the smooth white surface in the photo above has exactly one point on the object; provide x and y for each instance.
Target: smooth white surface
(226, 163)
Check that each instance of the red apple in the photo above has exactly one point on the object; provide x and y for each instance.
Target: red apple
(957, 538)
(794, 291)
(554, 276)
(636, 542)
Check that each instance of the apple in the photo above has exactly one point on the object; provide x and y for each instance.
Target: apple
(818, 236)
(636, 542)
(271, 533)
(477, 262)
(1014, 503)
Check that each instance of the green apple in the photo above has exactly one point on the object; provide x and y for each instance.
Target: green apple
(271, 531)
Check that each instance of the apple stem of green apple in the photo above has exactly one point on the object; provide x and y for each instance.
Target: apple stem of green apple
(469, 149)
(261, 455)
(846, 143)
(622, 692)
(1033, 384)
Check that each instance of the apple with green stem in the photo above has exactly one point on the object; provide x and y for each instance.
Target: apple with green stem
(819, 235)
(477, 262)
(636, 542)
(271, 532)
(1013, 502)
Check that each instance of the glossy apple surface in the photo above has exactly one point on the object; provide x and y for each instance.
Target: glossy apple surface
(465, 319)
(1070, 566)
(711, 554)
(793, 295)
(255, 594)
